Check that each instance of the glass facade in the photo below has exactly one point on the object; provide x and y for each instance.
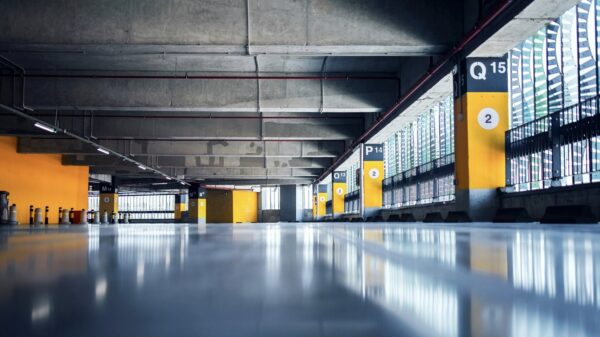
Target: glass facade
(269, 197)
(423, 146)
(142, 206)
(554, 86)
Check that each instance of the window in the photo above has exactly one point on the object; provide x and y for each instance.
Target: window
(269, 197)
(553, 84)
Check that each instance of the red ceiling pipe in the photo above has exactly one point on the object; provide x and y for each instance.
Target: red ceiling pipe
(455, 51)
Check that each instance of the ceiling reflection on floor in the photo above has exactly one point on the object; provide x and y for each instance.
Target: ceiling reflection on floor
(304, 279)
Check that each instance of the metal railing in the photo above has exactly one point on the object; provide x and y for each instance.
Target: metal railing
(329, 207)
(428, 183)
(559, 149)
(352, 202)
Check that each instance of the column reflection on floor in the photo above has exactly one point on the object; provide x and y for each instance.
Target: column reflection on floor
(473, 281)
(303, 279)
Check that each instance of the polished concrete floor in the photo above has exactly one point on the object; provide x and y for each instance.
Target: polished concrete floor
(301, 280)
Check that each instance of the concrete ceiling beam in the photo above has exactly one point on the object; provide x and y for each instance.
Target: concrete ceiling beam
(298, 149)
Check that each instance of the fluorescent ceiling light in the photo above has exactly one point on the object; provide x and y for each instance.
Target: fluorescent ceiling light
(142, 167)
(103, 150)
(159, 183)
(44, 127)
(168, 178)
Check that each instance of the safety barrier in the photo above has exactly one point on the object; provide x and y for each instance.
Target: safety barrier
(428, 183)
(352, 202)
(559, 149)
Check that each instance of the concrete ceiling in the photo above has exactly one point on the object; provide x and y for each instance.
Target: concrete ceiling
(222, 91)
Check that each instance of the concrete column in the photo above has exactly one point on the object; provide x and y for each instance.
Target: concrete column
(109, 199)
(197, 204)
(321, 201)
(339, 192)
(372, 179)
(290, 203)
(481, 121)
(181, 205)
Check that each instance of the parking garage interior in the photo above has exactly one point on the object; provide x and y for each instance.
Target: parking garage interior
(300, 168)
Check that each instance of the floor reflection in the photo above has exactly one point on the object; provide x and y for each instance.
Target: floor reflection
(300, 279)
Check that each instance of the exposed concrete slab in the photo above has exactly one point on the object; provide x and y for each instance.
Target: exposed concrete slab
(299, 149)
(218, 173)
(214, 95)
(416, 27)
(201, 161)
(524, 25)
(194, 128)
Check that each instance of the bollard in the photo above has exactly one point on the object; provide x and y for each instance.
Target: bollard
(38, 217)
(96, 218)
(46, 211)
(115, 218)
(30, 215)
(59, 215)
(4, 208)
(84, 220)
(65, 217)
(12, 219)
(71, 215)
(105, 218)
(126, 218)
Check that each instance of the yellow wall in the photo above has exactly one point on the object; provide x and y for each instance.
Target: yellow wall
(41, 180)
(231, 206)
(245, 206)
(219, 206)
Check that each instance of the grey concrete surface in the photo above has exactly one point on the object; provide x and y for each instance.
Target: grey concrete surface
(300, 280)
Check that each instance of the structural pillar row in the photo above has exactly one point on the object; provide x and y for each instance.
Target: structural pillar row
(339, 192)
(181, 206)
(481, 121)
(197, 204)
(371, 179)
(109, 199)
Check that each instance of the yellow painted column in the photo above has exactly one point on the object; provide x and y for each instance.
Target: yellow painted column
(372, 179)
(322, 201)
(109, 200)
(339, 192)
(197, 204)
(181, 205)
(481, 121)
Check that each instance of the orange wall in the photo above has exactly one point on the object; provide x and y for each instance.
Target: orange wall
(41, 180)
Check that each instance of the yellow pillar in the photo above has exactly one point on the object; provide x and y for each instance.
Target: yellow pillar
(181, 205)
(372, 179)
(481, 121)
(322, 201)
(339, 192)
(109, 200)
(197, 204)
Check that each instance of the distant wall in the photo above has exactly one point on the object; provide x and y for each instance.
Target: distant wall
(41, 180)
(245, 206)
(219, 206)
(231, 206)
